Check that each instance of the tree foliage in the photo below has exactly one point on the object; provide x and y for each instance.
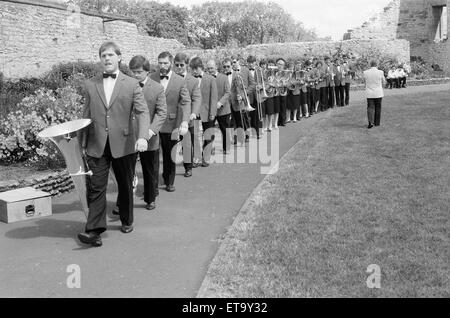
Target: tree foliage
(211, 24)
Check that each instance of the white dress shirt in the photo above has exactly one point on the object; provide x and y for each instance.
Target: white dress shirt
(108, 86)
(164, 81)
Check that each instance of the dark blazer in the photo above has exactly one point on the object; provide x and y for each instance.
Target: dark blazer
(157, 107)
(328, 78)
(125, 119)
(195, 94)
(178, 102)
(208, 89)
(223, 94)
(236, 87)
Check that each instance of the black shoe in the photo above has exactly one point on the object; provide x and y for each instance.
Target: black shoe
(126, 228)
(90, 238)
(205, 164)
(196, 165)
(156, 192)
(115, 211)
(150, 206)
(170, 188)
(370, 126)
(188, 173)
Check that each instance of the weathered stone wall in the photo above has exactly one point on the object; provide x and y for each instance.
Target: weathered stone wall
(35, 35)
(398, 48)
(413, 20)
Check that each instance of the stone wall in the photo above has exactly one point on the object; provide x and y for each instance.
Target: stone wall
(398, 48)
(413, 20)
(35, 35)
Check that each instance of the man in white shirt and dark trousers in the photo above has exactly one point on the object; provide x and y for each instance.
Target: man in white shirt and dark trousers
(374, 79)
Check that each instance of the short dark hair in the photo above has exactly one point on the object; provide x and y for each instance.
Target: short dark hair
(107, 45)
(196, 62)
(251, 59)
(181, 57)
(165, 54)
(319, 62)
(326, 58)
(373, 63)
(281, 59)
(262, 62)
(227, 59)
(139, 61)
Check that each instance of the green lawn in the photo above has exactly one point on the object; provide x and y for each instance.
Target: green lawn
(344, 198)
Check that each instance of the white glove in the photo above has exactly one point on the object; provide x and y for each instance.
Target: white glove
(184, 127)
(141, 145)
(193, 116)
(219, 105)
(151, 133)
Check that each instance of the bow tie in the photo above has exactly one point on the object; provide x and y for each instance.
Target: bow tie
(228, 73)
(198, 76)
(164, 77)
(106, 75)
(141, 84)
(215, 75)
(251, 69)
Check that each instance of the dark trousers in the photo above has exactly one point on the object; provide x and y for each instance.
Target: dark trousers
(169, 167)
(254, 118)
(123, 168)
(188, 149)
(402, 81)
(282, 115)
(224, 124)
(241, 121)
(311, 99)
(208, 139)
(347, 93)
(374, 111)
(323, 98)
(339, 92)
(331, 98)
(149, 161)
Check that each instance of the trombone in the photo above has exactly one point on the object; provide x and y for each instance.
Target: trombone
(244, 99)
(261, 94)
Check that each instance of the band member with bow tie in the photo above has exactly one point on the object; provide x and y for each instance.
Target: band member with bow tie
(120, 127)
(208, 110)
(255, 123)
(178, 114)
(223, 104)
(339, 83)
(270, 103)
(191, 146)
(281, 100)
(241, 76)
(322, 86)
(348, 71)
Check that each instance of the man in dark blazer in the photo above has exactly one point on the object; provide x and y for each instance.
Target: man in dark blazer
(177, 121)
(120, 127)
(330, 72)
(191, 147)
(339, 83)
(156, 102)
(223, 105)
(242, 80)
(208, 109)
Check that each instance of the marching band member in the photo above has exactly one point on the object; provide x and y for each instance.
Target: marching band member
(322, 86)
(156, 103)
(241, 76)
(223, 104)
(348, 70)
(254, 115)
(178, 114)
(191, 147)
(120, 128)
(330, 72)
(208, 108)
(293, 97)
(263, 68)
(311, 77)
(271, 91)
(303, 77)
(339, 83)
(281, 99)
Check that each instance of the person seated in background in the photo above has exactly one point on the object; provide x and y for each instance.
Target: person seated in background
(391, 78)
(401, 76)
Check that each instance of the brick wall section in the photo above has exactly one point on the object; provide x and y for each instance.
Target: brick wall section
(399, 48)
(414, 21)
(33, 38)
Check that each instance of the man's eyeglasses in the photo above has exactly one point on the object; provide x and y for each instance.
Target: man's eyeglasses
(179, 65)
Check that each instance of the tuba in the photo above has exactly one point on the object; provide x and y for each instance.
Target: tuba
(65, 137)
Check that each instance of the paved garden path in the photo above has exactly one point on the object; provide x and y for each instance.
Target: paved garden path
(168, 253)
